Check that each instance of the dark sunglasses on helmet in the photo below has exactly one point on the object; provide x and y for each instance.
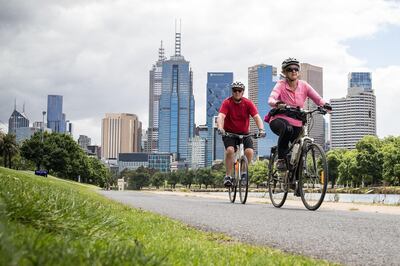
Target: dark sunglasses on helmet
(237, 90)
(292, 69)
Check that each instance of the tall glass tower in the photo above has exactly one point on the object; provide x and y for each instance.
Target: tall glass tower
(262, 79)
(154, 102)
(176, 112)
(218, 88)
(55, 116)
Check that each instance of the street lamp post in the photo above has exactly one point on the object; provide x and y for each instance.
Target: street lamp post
(43, 113)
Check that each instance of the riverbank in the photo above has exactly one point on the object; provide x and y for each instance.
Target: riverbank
(293, 202)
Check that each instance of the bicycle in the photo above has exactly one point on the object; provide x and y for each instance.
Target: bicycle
(240, 169)
(307, 169)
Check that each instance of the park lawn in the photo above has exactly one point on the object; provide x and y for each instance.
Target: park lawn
(48, 221)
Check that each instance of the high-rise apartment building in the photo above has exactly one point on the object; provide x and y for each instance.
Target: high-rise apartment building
(197, 152)
(154, 102)
(218, 89)
(176, 112)
(314, 76)
(17, 120)
(120, 133)
(55, 117)
(353, 116)
(262, 79)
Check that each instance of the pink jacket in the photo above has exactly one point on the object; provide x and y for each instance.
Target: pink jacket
(297, 98)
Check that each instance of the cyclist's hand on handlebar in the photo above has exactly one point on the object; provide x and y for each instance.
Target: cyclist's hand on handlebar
(261, 133)
(280, 105)
(221, 131)
(327, 107)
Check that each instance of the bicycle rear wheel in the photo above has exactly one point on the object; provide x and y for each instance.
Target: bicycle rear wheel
(277, 187)
(244, 180)
(313, 176)
(232, 189)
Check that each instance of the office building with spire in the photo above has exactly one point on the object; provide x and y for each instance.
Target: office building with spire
(313, 75)
(17, 120)
(154, 102)
(176, 112)
(353, 116)
(218, 89)
(262, 79)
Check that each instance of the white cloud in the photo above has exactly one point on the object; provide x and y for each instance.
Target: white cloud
(386, 82)
(98, 53)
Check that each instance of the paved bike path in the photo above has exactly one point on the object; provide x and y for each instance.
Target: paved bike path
(352, 238)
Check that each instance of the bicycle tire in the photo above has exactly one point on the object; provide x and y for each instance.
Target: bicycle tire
(313, 176)
(244, 179)
(277, 187)
(232, 189)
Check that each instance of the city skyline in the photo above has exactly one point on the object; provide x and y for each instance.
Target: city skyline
(108, 71)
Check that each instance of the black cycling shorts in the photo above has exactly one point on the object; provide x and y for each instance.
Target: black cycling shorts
(233, 141)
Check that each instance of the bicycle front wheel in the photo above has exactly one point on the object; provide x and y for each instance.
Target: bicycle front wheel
(232, 189)
(244, 180)
(277, 187)
(313, 176)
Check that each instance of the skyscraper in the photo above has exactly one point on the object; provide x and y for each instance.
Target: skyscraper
(120, 133)
(354, 116)
(154, 102)
(360, 80)
(313, 75)
(55, 117)
(262, 79)
(218, 89)
(17, 120)
(176, 112)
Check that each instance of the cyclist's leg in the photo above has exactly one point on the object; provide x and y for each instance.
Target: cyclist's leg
(230, 146)
(248, 148)
(284, 130)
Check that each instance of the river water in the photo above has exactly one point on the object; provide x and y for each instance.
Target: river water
(390, 199)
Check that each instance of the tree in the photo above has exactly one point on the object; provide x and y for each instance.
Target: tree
(157, 179)
(370, 159)
(391, 160)
(258, 172)
(204, 176)
(334, 158)
(173, 178)
(8, 148)
(187, 178)
(33, 149)
(348, 169)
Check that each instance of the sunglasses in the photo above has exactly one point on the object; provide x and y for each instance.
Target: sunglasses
(237, 90)
(292, 69)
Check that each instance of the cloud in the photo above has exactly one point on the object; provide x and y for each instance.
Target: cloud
(98, 53)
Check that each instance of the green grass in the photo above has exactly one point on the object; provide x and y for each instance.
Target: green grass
(47, 221)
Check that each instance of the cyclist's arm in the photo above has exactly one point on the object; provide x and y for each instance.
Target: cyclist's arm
(314, 96)
(220, 120)
(274, 97)
(259, 122)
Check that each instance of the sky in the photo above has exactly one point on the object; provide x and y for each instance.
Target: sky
(98, 54)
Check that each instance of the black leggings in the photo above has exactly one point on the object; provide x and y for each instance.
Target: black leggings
(286, 133)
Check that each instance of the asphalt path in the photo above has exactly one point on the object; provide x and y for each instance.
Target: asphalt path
(351, 238)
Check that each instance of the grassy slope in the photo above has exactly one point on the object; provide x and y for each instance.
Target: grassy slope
(46, 221)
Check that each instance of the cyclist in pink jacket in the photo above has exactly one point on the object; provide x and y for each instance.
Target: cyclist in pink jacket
(292, 92)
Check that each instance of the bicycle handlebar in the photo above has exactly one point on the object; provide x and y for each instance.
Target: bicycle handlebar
(253, 135)
(319, 109)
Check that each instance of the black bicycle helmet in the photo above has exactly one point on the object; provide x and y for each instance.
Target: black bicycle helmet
(288, 62)
(237, 85)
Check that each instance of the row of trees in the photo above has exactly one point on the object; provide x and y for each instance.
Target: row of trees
(203, 177)
(57, 153)
(373, 162)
